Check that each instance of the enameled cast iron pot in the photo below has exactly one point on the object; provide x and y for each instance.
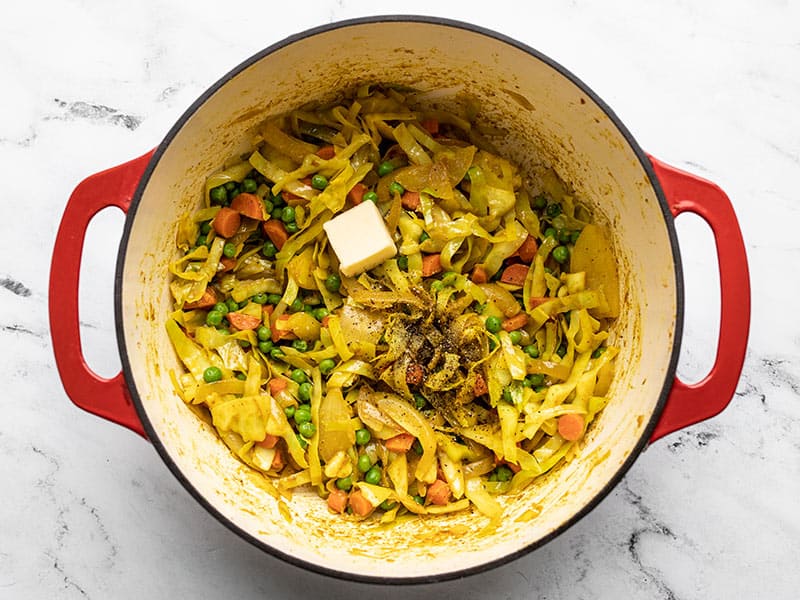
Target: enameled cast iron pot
(545, 114)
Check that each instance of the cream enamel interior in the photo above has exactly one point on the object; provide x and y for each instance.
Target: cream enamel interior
(542, 117)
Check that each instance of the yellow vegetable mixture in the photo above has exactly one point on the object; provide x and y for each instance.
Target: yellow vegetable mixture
(462, 368)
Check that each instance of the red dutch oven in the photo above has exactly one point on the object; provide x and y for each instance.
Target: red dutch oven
(546, 115)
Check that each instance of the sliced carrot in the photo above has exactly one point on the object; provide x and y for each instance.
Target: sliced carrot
(360, 505)
(527, 251)
(248, 205)
(243, 322)
(515, 322)
(514, 274)
(400, 443)
(227, 264)
(275, 231)
(278, 461)
(227, 222)
(277, 385)
(431, 264)
(326, 152)
(430, 125)
(410, 200)
(325, 320)
(207, 300)
(479, 275)
(480, 386)
(356, 194)
(438, 492)
(571, 427)
(337, 501)
(414, 374)
(269, 441)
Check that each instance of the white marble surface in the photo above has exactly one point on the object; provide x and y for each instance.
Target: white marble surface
(88, 510)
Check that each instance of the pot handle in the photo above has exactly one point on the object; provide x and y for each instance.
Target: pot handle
(691, 403)
(106, 398)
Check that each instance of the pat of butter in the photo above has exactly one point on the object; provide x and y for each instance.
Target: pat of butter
(360, 239)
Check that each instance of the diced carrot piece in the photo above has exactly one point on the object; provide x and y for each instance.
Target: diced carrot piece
(527, 251)
(414, 374)
(356, 194)
(515, 322)
(479, 275)
(400, 443)
(292, 199)
(430, 125)
(207, 300)
(243, 322)
(431, 264)
(278, 461)
(438, 492)
(277, 385)
(248, 205)
(534, 302)
(410, 200)
(280, 331)
(360, 505)
(275, 231)
(325, 320)
(227, 264)
(514, 274)
(227, 222)
(480, 386)
(337, 501)
(326, 152)
(269, 441)
(571, 427)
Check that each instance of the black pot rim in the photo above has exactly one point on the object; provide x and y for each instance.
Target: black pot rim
(449, 575)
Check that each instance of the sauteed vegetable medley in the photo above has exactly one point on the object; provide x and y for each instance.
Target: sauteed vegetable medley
(457, 360)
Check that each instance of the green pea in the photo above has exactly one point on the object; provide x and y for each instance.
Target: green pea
(492, 476)
(535, 380)
(259, 298)
(296, 305)
(417, 447)
(302, 441)
(298, 376)
(277, 200)
(304, 391)
(560, 254)
(302, 415)
(276, 213)
(221, 308)
(437, 286)
(263, 333)
(233, 192)
(553, 210)
(419, 499)
(374, 475)
(424, 237)
(266, 347)
(345, 483)
(531, 350)
(363, 436)
(385, 168)
(307, 429)
(213, 318)
(320, 313)
(276, 353)
(268, 206)
(241, 376)
(288, 214)
(562, 235)
(231, 304)
(289, 411)
(598, 352)
(539, 201)
(205, 227)
(515, 336)
(503, 473)
(396, 188)
(333, 282)
(326, 366)
(387, 505)
(419, 401)
(270, 249)
(212, 374)
(273, 298)
(402, 263)
(507, 395)
(319, 182)
(479, 308)
(370, 197)
(364, 463)
(292, 227)
(249, 185)
(244, 344)
(231, 185)
(218, 195)
(573, 237)
(300, 345)
(493, 324)
(550, 232)
(492, 343)
(223, 330)
(200, 241)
